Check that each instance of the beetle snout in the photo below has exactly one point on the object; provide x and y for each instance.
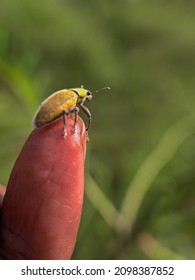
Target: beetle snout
(89, 97)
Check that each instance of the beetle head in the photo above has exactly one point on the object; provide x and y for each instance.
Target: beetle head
(88, 95)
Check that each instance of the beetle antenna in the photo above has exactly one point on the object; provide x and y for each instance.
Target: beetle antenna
(104, 88)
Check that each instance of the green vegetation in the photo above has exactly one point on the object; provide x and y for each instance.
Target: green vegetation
(140, 195)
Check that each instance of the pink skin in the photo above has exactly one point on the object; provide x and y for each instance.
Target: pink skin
(42, 206)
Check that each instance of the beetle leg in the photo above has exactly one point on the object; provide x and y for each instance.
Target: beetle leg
(87, 112)
(64, 127)
(76, 111)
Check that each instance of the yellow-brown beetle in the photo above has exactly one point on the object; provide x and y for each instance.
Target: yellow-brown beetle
(63, 103)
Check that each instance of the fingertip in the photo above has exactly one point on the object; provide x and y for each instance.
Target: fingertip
(53, 132)
(73, 144)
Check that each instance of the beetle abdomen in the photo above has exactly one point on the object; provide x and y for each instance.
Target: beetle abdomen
(54, 105)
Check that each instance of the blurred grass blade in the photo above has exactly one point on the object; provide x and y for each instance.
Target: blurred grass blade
(19, 83)
(155, 250)
(102, 203)
(153, 164)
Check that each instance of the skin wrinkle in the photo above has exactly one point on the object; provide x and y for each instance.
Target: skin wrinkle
(52, 184)
(12, 237)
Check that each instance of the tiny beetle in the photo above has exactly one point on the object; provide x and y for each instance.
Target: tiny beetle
(63, 103)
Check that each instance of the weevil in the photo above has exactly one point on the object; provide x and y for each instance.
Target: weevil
(62, 103)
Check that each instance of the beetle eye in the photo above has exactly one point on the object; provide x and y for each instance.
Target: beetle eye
(89, 95)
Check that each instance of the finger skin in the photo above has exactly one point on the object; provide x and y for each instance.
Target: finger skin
(42, 206)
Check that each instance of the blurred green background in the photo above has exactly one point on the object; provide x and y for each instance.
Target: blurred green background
(140, 194)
